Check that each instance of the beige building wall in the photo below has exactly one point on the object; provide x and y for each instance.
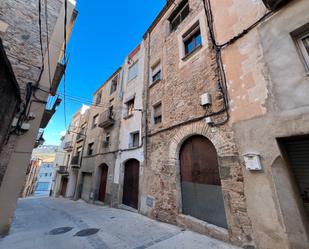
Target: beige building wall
(24, 50)
(268, 86)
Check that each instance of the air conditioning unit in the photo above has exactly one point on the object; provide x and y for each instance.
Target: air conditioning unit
(275, 4)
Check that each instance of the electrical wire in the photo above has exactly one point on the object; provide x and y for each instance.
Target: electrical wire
(64, 57)
(41, 44)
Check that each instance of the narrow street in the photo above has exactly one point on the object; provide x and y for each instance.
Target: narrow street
(43, 223)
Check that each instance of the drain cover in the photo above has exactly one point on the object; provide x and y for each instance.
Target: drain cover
(60, 230)
(87, 232)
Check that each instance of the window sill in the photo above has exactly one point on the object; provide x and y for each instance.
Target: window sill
(154, 83)
(189, 55)
(128, 116)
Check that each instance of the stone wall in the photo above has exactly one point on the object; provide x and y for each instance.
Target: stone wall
(21, 42)
(184, 80)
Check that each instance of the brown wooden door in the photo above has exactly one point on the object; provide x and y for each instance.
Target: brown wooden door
(103, 181)
(200, 181)
(64, 186)
(130, 185)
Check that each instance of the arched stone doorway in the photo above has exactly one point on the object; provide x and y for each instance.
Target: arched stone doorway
(200, 181)
(103, 182)
(131, 183)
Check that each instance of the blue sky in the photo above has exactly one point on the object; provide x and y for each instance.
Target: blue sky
(104, 34)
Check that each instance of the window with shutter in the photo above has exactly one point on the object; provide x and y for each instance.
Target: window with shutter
(157, 113)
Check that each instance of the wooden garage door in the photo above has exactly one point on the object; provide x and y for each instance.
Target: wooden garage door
(200, 181)
(86, 187)
(130, 184)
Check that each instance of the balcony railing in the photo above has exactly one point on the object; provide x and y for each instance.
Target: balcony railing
(106, 119)
(63, 170)
(68, 146)
(75, 162)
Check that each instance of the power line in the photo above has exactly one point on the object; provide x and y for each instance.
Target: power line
(64, 58)
(41, 43)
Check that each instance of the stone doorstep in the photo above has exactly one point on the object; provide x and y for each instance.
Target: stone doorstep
(127, 208)
(203, 227)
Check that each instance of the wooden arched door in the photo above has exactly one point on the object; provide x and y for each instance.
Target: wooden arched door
(103, 182)
(200, 181)
(130, 183)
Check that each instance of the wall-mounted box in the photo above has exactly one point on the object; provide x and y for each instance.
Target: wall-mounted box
(253, 161)
(206, 100)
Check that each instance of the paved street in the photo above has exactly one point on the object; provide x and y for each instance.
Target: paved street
(43, 223)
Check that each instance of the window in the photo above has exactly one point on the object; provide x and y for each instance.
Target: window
(98, 98)
(130, 108)
(303, 43)
(107, 138)
(133, 71)
(192, 40)
(95, 121)
(46, 174)
(134, 140)
(157, 113)
(181, 12)
(78, 154)
(90, 149)
(156, 73)
(114, 84)
(111, 111)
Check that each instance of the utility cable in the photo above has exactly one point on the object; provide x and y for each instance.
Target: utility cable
(64, 57)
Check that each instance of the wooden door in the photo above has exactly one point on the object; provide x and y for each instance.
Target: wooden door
(200, 181)
(103, 181)
(130, 185)
(64, 186)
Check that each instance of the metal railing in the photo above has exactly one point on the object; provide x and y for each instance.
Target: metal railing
(106, 119)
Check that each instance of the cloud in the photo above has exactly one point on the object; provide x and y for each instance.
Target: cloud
(62, 133)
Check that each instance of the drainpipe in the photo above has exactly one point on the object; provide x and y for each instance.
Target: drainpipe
(145, 97)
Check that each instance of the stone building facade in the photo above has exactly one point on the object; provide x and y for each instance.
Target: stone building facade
(32, 173)
(35, 71)
(95, 179)
(186, 75)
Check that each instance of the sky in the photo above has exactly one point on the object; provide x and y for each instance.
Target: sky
(105, 32)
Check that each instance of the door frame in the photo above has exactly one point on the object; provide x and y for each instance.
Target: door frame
(99, 174)
(295, 193)
(121, 185)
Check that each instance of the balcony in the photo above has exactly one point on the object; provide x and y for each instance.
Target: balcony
(68, 146)
(75, 162)
(47, 115)
(275, 4)
(106, 119)
(62, 170)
